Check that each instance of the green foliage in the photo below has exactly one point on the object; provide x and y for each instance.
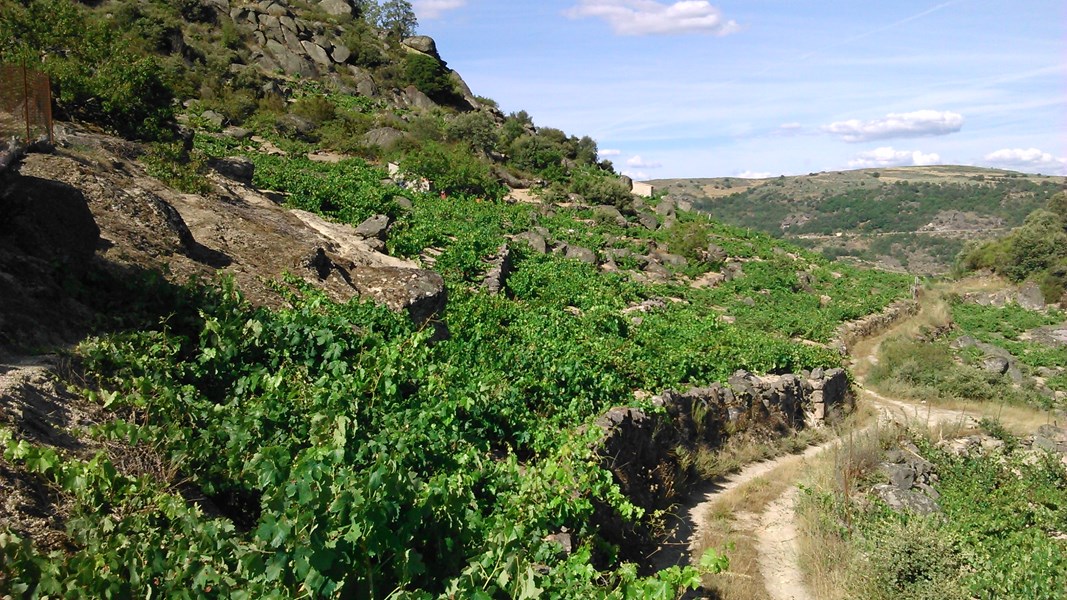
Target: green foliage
(913, 559)
(171, 164)
(452, 170)
(538, 155)
(474, 129)
(428, 75)
(96, 74)
(397, 17)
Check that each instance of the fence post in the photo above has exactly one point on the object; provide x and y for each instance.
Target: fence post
(26, 102)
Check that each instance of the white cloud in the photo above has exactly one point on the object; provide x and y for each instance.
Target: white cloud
(637, 162)
(753, 175)
(888, 157)
(433, 9)
(608, 152)
(636, 175)
(647, 17)
(898, 125)
(1030, 159)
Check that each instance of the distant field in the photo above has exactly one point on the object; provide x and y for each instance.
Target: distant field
(905, 218)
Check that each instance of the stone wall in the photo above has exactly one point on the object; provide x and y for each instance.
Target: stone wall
(853, 331)
(645, 450)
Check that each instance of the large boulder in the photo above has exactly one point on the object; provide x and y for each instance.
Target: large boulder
(424, 44)
(383, 137)
(337, 8)
(237, 168)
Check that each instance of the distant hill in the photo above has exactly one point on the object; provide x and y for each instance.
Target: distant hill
(915, 219)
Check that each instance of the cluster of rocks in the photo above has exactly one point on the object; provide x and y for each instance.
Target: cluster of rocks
(995, 359)
(1028, 296)
(911, 480)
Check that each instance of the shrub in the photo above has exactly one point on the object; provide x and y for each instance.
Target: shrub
(452, 171)
(96, 74)
(428, 75)
(914, 560)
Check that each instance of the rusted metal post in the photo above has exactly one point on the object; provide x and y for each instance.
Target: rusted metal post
(26, 102)
(47, 85)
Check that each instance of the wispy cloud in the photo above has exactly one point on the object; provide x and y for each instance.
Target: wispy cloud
(647, 17)
(604, 152)
(920, 123)
(889, 157)
(433, 9)
(1029, 159)
(753, 175)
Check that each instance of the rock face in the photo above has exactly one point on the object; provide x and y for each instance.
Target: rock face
(148, 226)
(1028, 296)
(237, 168)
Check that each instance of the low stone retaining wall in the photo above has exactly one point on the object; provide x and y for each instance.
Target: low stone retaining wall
(853, 331)
(647, 450)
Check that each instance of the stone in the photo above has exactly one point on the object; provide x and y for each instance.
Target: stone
(364, 81)
(1030, 296)
(580, 254)
(648, 221)
(404, 203)
(708, 280)
(675, 261)
(900, 475)
(237, 133)
(375, 227)
(996, 364)
(500, 267)
(715, 255)
(316, 52)
(340, 53)
(213, 118)
(290, 62)
(288, 23)
(666, 207)
(276, 10)
(901, 500)
(609, 213)
(237, 168)
(422, 43)
(535, 240)
(337, 8)
(383, 137)
(417, 99)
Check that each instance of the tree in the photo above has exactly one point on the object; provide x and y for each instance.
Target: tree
(397, 17)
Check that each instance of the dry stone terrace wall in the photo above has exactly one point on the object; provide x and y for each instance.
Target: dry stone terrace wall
(644, 449)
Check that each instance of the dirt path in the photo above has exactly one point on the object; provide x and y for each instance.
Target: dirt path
(775, 528)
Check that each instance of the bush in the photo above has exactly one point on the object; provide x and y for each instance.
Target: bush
(452, 171)
(428, 75)
(96, 74)
(914, 560)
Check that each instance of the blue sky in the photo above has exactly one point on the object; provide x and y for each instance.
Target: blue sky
(767, 87)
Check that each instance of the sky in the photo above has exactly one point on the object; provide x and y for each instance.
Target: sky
(761, 88)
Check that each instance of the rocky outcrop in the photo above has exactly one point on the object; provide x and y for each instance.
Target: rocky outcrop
(283, 39)
(1028, 296)
(911, 480)
(644, 449)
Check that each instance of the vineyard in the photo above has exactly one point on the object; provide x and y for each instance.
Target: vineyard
(339, 449)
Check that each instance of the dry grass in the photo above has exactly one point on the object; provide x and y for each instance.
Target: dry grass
(734, 518)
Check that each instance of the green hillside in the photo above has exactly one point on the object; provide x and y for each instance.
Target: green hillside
(910, 218)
